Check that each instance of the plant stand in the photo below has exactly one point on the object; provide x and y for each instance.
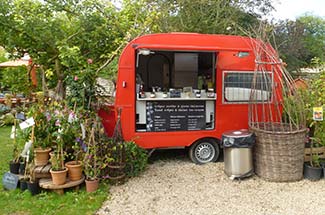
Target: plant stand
(47, 183)
(116, 172)
(41, 172)
(320, 151)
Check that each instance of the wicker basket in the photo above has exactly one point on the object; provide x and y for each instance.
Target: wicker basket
(279, 156)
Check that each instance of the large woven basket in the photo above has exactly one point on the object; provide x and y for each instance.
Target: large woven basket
(279, 156)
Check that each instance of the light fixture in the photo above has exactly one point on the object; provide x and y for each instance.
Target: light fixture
(242, 54)
(144, 52)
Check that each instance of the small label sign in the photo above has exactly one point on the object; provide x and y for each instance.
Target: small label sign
(10, 181)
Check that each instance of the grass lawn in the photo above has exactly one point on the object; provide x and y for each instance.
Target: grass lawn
(17, 202)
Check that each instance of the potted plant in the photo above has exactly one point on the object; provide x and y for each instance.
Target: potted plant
(14, 163)
(42, 131)
(17, 164)
(313, 170)
(28, 180)
(58, 170)
(314, 98)
(92, 162)
(32, 185)
(77, 133)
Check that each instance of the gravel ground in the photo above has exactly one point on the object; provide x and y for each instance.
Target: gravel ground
(177, 186)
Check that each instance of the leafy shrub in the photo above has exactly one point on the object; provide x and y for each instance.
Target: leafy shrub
(136, 159)
(315, 97)
(7, 119)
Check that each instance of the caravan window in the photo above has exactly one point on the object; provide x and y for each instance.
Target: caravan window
(237, 86)
(175, 69)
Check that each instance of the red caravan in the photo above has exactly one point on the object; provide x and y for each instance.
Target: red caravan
(185, 90)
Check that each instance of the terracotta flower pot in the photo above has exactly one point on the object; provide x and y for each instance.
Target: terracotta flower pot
(59, 177)
(91, 185)
(74, 170)
(41, 156)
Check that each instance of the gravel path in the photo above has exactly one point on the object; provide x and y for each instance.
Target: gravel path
(177, 186)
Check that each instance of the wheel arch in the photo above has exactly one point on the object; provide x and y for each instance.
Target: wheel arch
(216, 140)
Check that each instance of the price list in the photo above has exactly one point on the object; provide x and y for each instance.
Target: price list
(175, 115)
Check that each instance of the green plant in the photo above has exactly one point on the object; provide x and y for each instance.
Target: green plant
(57, 159)
(8, 100)
(315, 160)
(136, 159)
(315, 97)
(67, 131)
(92, 160)
(43, 127)
(15, 151)
(45, 203)
(82, 88)
(7, 119)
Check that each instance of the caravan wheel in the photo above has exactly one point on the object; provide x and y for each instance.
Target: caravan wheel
(204, 151)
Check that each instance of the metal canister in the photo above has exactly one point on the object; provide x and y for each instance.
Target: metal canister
(238, 158)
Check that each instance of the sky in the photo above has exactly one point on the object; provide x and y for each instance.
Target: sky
(291, 9)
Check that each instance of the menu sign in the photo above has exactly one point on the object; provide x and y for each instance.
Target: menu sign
(10, 181)
(175, 115)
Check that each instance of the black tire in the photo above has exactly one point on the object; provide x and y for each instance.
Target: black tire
(204, 151)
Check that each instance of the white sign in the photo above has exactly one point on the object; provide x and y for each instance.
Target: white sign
(29, 122)
(12, 134)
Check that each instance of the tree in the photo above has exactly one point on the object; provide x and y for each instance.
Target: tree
(301, 41)
(206, 16)
(290, 43)
(314, 36)
(61, 35)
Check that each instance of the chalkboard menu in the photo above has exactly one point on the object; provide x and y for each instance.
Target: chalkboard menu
(10, 181)
(175, 115)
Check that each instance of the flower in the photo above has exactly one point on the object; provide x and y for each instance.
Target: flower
(57, 123)
(72, 117)
(75, 78)
(89, 61)
(48, 116)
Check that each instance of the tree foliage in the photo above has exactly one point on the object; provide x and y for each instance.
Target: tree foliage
(61, 35)
(301, 41)
(206, 16)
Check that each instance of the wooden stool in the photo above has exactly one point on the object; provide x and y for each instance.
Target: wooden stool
(41, 172)
(46, 183)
